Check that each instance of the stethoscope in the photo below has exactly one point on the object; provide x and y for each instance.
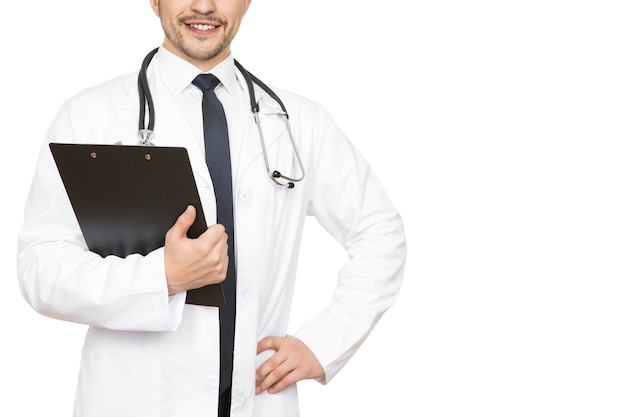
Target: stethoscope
(145, 98)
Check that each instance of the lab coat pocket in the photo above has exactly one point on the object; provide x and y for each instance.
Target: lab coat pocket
(118, 382)
(273, 124)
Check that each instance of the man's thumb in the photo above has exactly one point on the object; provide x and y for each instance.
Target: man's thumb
(184, 222)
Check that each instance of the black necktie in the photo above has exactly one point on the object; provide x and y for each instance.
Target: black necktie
(217, 153)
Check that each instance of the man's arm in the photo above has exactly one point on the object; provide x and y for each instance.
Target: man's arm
(62, 279)
(348, 200)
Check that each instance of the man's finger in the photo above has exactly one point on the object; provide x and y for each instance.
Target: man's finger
(275, 378)
(273, 361)
(267, 343)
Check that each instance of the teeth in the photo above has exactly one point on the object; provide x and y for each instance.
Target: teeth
(202, 27)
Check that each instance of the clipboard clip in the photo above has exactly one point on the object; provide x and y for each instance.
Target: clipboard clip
(144, 137)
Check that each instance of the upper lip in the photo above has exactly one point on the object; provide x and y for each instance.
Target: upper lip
(203, 21)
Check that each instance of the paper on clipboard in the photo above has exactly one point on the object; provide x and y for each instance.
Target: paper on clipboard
(127, 197)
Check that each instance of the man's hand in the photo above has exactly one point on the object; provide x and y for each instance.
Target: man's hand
(293, 361)
(194, 263)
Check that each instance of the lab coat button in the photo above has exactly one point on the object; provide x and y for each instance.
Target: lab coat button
(247, 295)
(240, 398)
(244, 195)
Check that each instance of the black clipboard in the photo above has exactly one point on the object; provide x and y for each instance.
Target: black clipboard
(126, 198)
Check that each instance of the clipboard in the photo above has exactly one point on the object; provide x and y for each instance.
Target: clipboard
(126, 198)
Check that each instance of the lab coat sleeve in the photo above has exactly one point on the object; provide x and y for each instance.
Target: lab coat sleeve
(348, 200)
(59, 277)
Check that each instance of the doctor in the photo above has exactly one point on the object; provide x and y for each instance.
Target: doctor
(147, 353)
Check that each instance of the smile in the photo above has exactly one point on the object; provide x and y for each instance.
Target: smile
(202, 27)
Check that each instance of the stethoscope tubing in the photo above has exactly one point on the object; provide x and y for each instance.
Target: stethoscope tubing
(146, 103)
(145, 97)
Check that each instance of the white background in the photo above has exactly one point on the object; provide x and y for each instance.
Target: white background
(498, 128)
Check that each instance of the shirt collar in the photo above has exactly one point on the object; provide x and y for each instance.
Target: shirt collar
(178, 74)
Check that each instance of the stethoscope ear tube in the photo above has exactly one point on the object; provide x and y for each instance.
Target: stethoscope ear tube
(250, 79)
(145, 96)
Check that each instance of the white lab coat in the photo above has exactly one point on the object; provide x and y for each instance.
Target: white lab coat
(147, 354)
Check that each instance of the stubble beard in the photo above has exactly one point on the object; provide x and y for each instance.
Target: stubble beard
(196, 53)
